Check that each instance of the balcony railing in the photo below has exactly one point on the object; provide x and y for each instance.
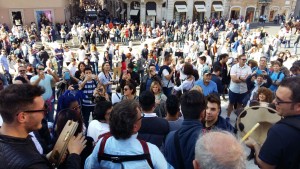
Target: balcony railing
(264, 1)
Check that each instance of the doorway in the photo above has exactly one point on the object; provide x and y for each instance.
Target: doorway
(17, 18)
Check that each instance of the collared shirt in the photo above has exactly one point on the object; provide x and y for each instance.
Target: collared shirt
(130, 146)
(150, 115)
(239, 72)
(207, 89)
(97, 128)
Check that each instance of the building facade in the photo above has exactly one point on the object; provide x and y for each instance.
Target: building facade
(27, 11)
(181, 10)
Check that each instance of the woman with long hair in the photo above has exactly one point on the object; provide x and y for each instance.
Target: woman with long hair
(79, 74)
(160, 99)
(94, 58)
(106, 78)
(62, 118)
(100, 93)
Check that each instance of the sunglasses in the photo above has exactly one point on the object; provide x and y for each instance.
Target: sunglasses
(41, 68)
(125, 89)
(22, 70)
(244, 59)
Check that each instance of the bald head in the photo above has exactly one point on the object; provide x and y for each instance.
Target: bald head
(219, 150)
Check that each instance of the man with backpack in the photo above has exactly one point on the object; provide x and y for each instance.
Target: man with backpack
(166, 73)
(281, 148)
(120, 148)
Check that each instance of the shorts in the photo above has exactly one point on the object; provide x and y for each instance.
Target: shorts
(236, 97)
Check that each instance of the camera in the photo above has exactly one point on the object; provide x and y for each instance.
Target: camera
(100, 90)
(114, 82)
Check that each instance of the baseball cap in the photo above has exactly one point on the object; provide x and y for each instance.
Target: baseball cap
(207, 71)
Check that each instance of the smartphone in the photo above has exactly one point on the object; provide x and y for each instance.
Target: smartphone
(67, 76)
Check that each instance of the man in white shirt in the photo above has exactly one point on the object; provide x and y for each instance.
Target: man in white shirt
(166, 73)
(238, 87)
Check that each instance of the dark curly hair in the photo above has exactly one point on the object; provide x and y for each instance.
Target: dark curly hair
(68, 114)
(267, 92)
(122, 119)
(16, 98)
(100, 110)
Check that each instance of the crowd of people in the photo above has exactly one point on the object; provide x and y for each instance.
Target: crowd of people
(153, 106)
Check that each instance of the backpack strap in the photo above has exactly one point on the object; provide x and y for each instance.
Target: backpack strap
(102, 146)
(123, 158)
(118, 96)
(146, 152)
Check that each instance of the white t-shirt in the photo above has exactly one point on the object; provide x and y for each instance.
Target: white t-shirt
(72, 69)
(166, 82)
(67, 56)
(116, 98)
(96, 129)
(81, 55)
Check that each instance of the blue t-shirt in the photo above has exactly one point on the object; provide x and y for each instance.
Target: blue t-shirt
(210, 88)
(274, 77)
(45, 83)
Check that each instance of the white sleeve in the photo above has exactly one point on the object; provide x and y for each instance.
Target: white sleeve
(165, 72)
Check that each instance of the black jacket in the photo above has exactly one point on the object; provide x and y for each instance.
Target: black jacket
(21, 153)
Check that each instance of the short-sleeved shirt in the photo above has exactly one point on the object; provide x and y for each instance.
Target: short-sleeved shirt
(105, 79)
(166, 82)
(46, 83)
(276, 76)
(239, 72)
(281, 147)
(88, 91)
(210, 88)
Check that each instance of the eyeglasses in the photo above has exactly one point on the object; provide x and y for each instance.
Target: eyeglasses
(278, 101)
(142, 116)
(263, 60)
(76, 108)
(44, 110)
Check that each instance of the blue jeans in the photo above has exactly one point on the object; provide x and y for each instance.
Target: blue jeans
(287, 42)
(95, 67)
(59, 67)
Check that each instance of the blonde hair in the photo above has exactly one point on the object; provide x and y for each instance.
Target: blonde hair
(153, 84)
(93, 48)
(197, 88)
